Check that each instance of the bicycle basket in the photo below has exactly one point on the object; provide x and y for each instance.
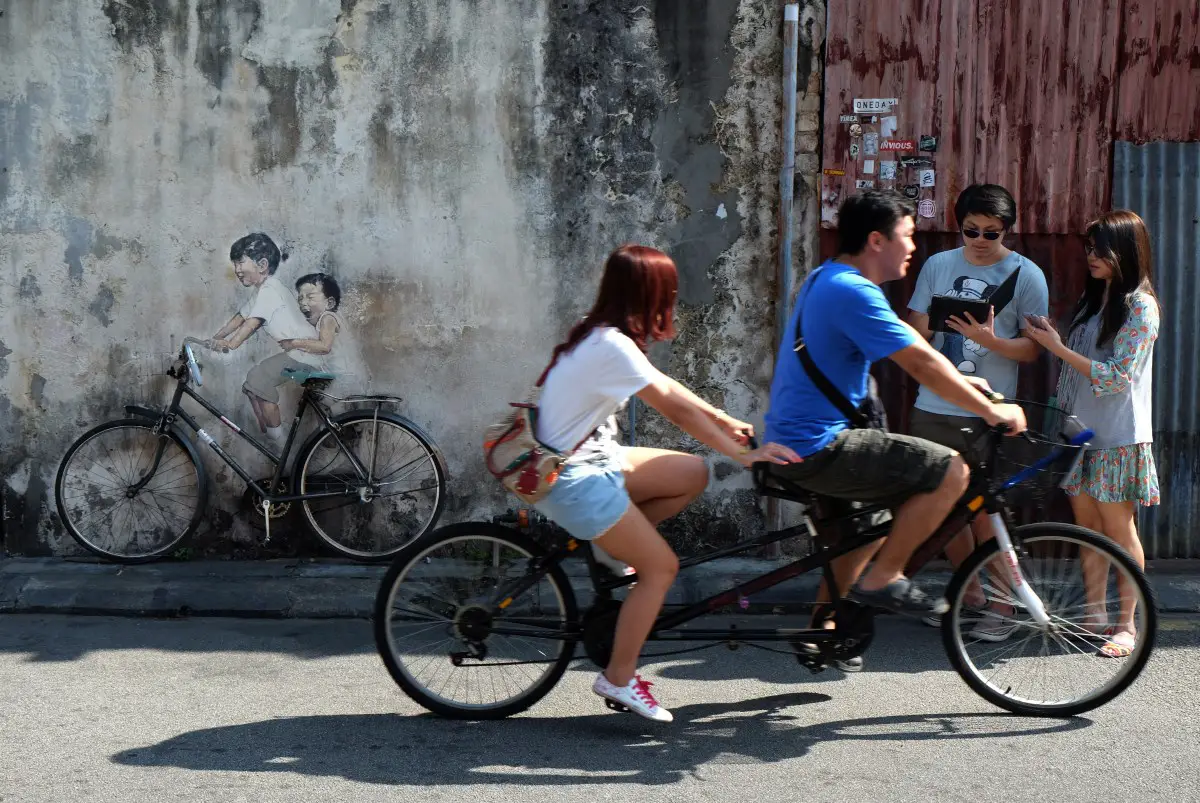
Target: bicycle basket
(1050, 432)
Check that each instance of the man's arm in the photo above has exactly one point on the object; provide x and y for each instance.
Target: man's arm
(1019, 349)
(920, 322)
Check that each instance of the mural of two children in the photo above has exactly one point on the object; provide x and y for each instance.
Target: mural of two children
(306, 325)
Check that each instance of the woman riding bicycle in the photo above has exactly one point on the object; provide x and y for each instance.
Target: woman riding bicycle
(592, 375)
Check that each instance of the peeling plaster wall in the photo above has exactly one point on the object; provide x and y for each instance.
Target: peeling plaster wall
(461, 166)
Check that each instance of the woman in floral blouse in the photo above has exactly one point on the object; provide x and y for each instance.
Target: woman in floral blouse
(1105, 382)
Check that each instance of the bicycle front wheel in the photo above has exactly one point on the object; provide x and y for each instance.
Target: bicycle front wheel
(456, 650)
(1088, 586)
(118, 504)
(370, 518)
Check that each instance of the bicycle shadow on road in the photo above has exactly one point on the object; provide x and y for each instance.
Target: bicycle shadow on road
(899, 646)
(600, 748)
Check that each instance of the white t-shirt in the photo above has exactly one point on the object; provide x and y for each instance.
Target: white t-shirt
(588, 385)
(281, 317)
(279, 311)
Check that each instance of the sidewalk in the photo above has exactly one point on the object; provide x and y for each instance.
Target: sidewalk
(341, 590)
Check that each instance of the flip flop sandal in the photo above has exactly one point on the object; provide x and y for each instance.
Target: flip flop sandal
(1117, 649)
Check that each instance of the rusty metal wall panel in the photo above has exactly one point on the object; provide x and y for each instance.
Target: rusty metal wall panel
(1161, 182)
(1018, 92)
(1160, 72)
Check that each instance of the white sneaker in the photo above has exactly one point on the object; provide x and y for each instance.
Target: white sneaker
(993, 627)
(636, 697)
(612, 564)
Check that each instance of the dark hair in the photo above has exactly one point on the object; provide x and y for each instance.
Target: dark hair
(637, 297)
(257, 246)
(1121, 240)
(865, 212)
(986, 199)
(327, 283)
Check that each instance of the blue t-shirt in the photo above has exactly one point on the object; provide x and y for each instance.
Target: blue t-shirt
(848, 324)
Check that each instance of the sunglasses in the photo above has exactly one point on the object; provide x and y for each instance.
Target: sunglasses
(971, 234)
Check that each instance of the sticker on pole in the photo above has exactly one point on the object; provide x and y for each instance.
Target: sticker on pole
(925, 208)
(863, 184)
(887, 171)
(891, 145)
(927, 178)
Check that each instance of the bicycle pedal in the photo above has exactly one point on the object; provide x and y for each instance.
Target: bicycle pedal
(615, 706)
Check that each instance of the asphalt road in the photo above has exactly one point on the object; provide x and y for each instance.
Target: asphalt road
(101, 709)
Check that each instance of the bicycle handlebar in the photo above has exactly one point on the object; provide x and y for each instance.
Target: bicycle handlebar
(193, 367)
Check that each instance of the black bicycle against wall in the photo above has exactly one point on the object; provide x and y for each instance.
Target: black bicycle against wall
(480, 620)
(367, 481)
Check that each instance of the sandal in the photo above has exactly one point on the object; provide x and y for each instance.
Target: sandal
(1119, 644)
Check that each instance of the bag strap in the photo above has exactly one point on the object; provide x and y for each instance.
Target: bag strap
(1007, 289)
(818, 378)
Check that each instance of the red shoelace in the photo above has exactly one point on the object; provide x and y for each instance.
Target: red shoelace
(642, 689)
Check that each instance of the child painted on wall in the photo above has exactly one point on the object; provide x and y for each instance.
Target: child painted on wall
(319, 297)
(271, 308)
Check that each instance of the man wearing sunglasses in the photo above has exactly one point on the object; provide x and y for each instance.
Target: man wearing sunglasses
(989, 348)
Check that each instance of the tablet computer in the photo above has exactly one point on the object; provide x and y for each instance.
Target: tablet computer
(941, 308)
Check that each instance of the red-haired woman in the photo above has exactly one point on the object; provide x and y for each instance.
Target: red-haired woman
(614, 496)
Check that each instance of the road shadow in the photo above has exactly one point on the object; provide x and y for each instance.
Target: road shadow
(46, 638)
(598, 748)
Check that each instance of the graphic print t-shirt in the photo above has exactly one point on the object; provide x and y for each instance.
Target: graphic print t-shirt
(950, 274)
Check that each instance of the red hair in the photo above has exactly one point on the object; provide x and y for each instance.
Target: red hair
(637, 297)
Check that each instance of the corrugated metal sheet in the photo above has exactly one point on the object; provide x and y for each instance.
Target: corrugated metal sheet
(1160, 72)
(1018, 92)
(1161, 182)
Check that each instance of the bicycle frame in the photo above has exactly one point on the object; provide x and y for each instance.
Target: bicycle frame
(174, 411)
(981, 496)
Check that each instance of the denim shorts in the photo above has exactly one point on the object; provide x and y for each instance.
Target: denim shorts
(588, 498)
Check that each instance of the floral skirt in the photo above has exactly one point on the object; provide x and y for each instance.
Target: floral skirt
(1123, 474)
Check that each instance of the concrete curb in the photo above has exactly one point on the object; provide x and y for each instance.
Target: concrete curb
(281, 589)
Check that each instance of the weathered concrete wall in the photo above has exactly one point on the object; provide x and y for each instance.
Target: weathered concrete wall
(461, 166)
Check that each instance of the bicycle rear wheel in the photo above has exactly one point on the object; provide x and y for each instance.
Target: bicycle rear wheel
(1084, 581)
(370, 521)
(97, 501)
(442, 639)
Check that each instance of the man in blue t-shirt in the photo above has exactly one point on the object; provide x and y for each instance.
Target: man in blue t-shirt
(848, 324)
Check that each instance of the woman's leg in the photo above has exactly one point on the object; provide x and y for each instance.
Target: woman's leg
(661, 482)
(1093, 565)
(1119, 525)
(634, 540)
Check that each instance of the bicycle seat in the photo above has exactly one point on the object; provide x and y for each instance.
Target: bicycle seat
(769, 484)
(303, 376)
